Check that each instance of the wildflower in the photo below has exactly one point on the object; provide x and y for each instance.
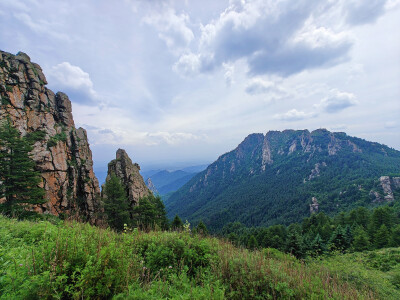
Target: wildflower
(170, 267)
(20, 265)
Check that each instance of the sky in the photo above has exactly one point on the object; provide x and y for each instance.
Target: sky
(178, 83)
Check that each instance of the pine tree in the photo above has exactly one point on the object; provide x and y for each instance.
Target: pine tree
(380, 216)
(116, 205)
(145, 214)
(318, 246)
(361, 241)
(252, 243)
(177, 223)
(19, 181)
(395, 237)
(381, 238)
(295, 245)
(338, 240)
(348, 235)
(161, 214)
(201, 228)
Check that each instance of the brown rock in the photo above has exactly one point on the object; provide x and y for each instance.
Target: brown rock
(63, 156)
(128, 172)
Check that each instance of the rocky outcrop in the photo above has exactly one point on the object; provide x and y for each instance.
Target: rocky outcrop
(151, 186)
(388, 185)
(61, 151)
(316, 171)
(314, 205)
(128, 172)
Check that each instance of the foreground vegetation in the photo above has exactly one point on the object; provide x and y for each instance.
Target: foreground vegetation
(68, 260)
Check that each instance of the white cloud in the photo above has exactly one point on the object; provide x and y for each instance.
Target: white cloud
(228, 75)
(258, 86)
(337, 101)
(74, 81)
(41, 26)
(171, 138)
(294, 115)
(173, 28)
(390, 124)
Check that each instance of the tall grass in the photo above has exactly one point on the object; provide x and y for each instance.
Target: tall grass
(72, 260)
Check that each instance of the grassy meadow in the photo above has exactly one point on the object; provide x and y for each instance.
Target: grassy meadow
(69, 260)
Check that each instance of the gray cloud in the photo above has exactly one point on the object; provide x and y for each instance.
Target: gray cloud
(278, 38)
(274, 38)
(337, 102)
(291, 60)
(360, 12)
(106, 131)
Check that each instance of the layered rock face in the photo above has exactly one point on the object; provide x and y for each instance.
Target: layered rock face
(151, 186)
(128, 172)
(61, 151)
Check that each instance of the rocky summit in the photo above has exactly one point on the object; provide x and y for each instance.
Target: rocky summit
(61, 151)
(128, 173)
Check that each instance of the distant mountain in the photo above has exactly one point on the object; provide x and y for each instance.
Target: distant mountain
(149, 173)
(195, 169)
(176, 184)
(164, 182)
(281, 177)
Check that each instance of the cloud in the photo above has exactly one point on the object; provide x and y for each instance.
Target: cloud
(190, 65)
(15, 4)
(337, 102)
(228, 75)
(274, 38)
(173, 29)
(390, 124)
(295, 115)
(359, 12)
(74, 81)
(106, 131)
(258, 86)
(41, 26)
(170, 138)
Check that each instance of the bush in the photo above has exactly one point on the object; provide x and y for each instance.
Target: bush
(68, 260)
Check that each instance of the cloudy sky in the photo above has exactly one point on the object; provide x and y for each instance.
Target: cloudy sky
(178, 83)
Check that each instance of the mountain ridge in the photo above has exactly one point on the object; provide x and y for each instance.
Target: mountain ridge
(292, 164)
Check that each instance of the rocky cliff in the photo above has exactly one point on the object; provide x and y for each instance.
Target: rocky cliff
(151, 186)
(61, 151)
(130, 177)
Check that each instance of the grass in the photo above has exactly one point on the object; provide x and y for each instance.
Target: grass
(69, 260)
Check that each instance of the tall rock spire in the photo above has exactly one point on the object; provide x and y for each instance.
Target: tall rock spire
(128, 172)
(61, 151)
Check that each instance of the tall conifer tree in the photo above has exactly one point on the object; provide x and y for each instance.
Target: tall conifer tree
(19, 181)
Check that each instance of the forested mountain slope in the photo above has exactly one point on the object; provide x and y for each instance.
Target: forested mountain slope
(272, 179)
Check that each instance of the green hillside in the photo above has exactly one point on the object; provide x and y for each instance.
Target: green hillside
(69, 260)
(271, 179)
